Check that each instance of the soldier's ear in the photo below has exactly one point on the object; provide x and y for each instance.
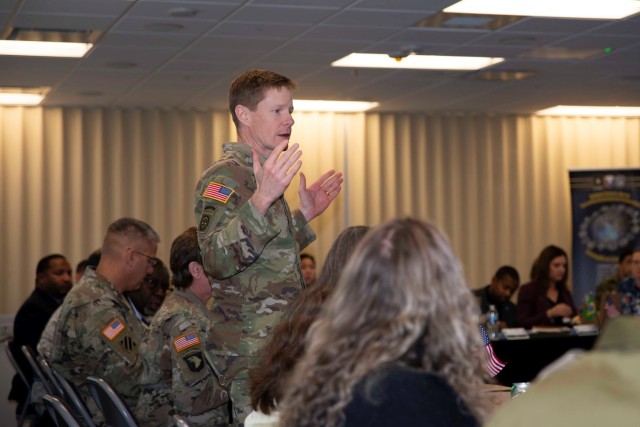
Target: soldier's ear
(130, 256)
(242, 113)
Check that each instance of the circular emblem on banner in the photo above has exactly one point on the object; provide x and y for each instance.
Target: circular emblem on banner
(610, 228)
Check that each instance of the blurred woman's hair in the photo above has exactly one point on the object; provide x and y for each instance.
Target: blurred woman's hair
(401, 298)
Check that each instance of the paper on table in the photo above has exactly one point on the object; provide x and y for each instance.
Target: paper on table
(588, 329)
(515, 333)
(550, 329)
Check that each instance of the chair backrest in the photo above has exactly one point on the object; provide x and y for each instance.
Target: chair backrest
(115, 411)
(180, 421)
(37, 370)
(14, 363)
(47, 370)
(74, 400)
(59, 411)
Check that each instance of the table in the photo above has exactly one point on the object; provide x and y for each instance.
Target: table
(525, 358)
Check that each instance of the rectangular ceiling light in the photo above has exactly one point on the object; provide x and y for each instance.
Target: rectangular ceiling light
(579, 110)
(334, 106)
(586, 9)
(421, 62)
(20, 98)
(31, 48)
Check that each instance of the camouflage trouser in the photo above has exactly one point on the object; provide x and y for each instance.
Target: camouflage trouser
(240, 400)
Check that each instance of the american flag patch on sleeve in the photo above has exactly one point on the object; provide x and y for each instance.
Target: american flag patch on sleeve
(218, 192)
(185, 341)
(112, 330)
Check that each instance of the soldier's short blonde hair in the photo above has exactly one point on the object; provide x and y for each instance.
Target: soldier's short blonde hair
(248, 89)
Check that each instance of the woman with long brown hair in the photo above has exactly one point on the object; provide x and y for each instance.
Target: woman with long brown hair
(546, 300)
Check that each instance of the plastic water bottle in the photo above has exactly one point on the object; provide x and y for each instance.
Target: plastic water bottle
(493, 330)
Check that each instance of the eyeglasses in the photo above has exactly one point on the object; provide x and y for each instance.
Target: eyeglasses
(151, 260)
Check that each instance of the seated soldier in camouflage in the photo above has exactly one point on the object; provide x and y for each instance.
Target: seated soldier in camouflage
(98, 333)
(178, 377)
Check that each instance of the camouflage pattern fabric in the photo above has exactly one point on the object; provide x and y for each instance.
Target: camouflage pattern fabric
(98, 334)
(45, 345)
(608, 285)
(177, 377)
(254, 261)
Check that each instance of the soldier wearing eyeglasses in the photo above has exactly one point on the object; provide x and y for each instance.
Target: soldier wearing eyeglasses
(98, 333)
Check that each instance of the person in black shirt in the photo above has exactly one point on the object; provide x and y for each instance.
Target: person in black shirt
(53, 282)
(503, 285)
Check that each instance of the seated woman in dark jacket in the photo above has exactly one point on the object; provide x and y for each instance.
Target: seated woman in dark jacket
(546, 300)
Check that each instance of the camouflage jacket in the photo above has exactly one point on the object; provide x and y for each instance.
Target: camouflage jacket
(98, 334)
(176, 377)
(608, 285)
(253, 258)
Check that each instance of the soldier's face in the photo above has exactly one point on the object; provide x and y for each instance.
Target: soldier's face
(635, 266)
(144, 260)
(150, 296)
(625, 266)
(271, 122)
(57, 278)
(155, 290)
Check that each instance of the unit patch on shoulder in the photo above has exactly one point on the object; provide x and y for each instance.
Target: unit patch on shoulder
(113, 329)
(128, 343)
(205, 219)
(217, 191)
(185, 341)
(194, 361)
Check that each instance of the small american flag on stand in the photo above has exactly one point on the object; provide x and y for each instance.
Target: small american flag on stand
(610, 310)
(493, 365)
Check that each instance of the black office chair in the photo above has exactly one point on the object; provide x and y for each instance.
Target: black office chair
(73, 399)
(115, 411)
(28, 403)
(59, 412)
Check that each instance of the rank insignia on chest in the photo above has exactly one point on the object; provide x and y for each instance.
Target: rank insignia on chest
(113, 329)
(217, 192)
(185, 341)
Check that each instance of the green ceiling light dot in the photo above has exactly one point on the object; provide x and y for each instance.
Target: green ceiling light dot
(608, 50)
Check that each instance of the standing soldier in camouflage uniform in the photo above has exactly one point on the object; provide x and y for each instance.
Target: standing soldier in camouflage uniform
(177, 376)
(98, 333)
(250, 241)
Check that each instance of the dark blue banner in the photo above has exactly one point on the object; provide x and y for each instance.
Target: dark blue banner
(605, 207)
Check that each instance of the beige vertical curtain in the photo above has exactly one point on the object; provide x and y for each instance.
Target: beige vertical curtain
(497, 185)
